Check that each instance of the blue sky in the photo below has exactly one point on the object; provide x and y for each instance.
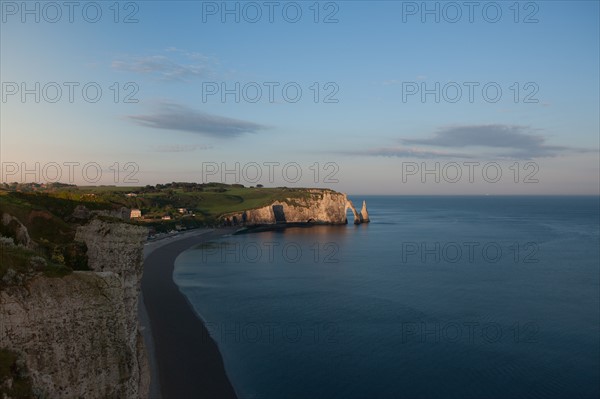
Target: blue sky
(371, 138)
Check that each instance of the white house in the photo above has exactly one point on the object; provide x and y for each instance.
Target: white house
(135, 213)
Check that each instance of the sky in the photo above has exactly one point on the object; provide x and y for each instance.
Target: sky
(364, 97)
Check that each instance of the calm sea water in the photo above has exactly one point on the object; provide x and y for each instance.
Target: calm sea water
(438, 297)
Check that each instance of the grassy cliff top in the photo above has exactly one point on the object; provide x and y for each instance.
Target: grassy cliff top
(208, 200)
(41, 220)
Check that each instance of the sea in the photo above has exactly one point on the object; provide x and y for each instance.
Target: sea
(436, 297)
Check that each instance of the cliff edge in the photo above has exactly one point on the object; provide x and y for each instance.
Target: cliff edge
(318, 206)
(78, 334)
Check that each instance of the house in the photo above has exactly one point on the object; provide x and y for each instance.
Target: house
(135, 213)
(182, 210)
(166, 217)
(131, 195)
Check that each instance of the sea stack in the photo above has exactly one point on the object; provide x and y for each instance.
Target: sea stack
(364, 214)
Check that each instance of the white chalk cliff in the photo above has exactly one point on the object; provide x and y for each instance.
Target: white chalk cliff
(319, 206)
(364, 214)
(78, 334)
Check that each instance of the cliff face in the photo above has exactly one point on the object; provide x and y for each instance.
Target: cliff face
(78, 334)
(364, 213)
(21, 233)
(315, 206)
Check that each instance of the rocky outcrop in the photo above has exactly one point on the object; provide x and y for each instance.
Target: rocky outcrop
(364, 214)
(357, 217)
(82, 212)
(18, 230)
(314, 206)
(79, 334)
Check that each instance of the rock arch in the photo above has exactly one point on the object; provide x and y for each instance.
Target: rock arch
(357, 217)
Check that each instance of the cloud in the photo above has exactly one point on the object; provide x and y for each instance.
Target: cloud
(180, 147)
(189, 65)
(179, 117)
(403, 152)
(494, 141)
(504, 141)
(481, 135)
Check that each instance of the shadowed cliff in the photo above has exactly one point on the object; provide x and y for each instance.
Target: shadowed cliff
(75, 332)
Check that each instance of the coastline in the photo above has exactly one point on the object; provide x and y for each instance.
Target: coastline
(185, 361)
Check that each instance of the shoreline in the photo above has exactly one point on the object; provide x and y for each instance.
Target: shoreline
(144, 321)
(185, 361)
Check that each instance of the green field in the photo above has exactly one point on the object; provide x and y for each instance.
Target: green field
(209, 200)
(47, 212)
(214, 200)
